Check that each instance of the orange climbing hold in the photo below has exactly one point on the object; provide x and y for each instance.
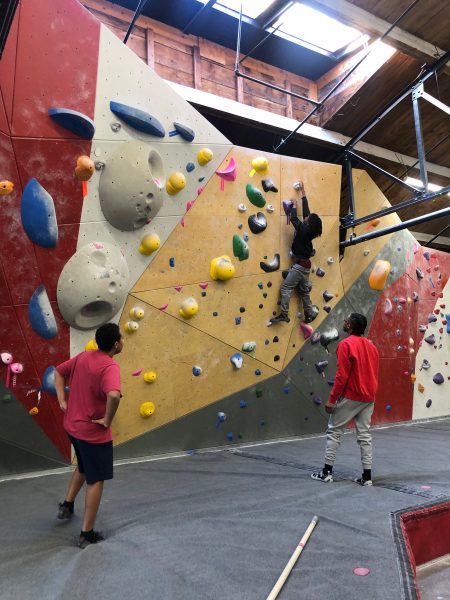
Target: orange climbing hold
(6, 187)
(85, 168)
(379, 275)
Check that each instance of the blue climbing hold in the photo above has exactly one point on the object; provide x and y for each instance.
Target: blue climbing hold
(48, 380)
(74, 121)
(138, 119)
(221, 417)
(230, 436)
(186, 132)
(172, 261)
(242, 404)
(38, 215)
(190, 167)
(40, 314)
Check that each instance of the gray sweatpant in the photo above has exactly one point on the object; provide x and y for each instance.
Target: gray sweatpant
(345, 411)
(298, 277)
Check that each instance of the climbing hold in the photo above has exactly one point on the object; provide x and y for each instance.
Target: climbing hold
(186, 132)
(6, 187)
(196, 370)
(329, 336)
(425, 364)
(430, 339)
(366, 252)
(260, 285)
(419, 273)
(415, 296)
(254, 195)
(175, 183)
(327, 309)
(91, 345)
(242, 404)
(438, 378)
(222, 268)
(428, 403)
(190, 167)
(307, 330)
(138, 119)
(240, 248)
(330, 260)
(426, 255)
(327, 296)
(317, 400)
(146, 409)
(379, 274)
(422, 328)
(270, 208)
(33, 411)
(221, 417)
(74, 121)
(230, 436)
(149, 244)
(203, 285)
(375, 222)
(257, 372)
(248, 346)
(315, 338)
(38, 215)
(171, 261)
(188, 308)
(229, 173)
(131, 326)
(421, 388)
(40, 314)
(245, 237)
(260, 164)
(48, 380)
(204, 155)
(237, 360)
(85, 168)
(137, 313)
(257, 223)
(242, 208)
(273, 265)
(237, 320)
(321, 366)
(149, 376)
(413, 378)
(320, 272)
(432, 318)
(269, 186)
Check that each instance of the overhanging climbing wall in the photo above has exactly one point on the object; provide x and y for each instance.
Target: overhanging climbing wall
(120, 202)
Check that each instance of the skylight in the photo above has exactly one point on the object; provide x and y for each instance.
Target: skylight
(304, 23)
(250, 8)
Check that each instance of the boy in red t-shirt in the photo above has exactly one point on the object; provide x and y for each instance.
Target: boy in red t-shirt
(352, 397)
(94, 395)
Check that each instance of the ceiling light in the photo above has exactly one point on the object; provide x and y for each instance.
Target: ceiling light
(418, 183)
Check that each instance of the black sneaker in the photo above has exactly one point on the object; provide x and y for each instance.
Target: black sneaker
(364, 482)
(93, 538)
(326, 478)
(281, 318)
(65, 511)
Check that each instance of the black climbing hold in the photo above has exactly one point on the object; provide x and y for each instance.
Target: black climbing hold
(276, 358)
(242, 309)
(275, 339)
(269, 284)
(272, 265)
(265, 295)
(257, 223)
(203, 294)
(327, 296)
(215, 314)
(261, 305)
(269, 186)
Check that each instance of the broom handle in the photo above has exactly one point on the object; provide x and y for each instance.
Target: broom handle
(290, 565)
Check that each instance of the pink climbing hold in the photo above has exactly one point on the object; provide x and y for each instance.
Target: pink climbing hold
(227, 174)
(189, 205)
(361, 571)
(387, 307)
(163, 307)
(200, 190)
(178, 288)
(203, 285)
(137, 372)
(307, 330)
(182, 222)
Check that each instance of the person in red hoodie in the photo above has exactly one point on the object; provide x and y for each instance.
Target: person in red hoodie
(352, 397)
(94, 396)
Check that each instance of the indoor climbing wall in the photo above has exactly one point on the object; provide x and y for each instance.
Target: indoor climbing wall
(120, 202)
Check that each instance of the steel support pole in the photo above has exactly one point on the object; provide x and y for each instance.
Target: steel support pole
(393, 228)
(416, 93)
(375, 167)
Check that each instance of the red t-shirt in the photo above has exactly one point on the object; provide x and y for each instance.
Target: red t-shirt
(357, 370)
(91, 375)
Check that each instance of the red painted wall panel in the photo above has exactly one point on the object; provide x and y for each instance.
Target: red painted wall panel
(8, 65)
(427, 533)
(5, 298)
(395, 391)
(4, 125)
(70, 31)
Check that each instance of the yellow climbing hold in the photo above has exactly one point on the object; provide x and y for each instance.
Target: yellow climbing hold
(149, 376)
(413, 378)
(175, 183)
(260, 164)
(149, 244)
(147, 409)
(222, 268)
(91, 345)
(137, 313)
(379, 274)
(188, 308)
(131, 326)
(204, 155)
(33, 411)
(421, 388)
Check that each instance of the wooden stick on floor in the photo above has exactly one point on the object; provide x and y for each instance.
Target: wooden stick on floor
(290, 565)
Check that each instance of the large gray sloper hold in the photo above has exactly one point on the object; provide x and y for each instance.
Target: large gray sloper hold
(93, 285)
(131, 185)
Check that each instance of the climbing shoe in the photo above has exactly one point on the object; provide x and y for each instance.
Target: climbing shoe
(309, 317)
(278, 319)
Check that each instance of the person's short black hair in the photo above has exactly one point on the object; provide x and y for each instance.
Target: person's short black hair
(315, 224)
(358, 323)
(107, 335)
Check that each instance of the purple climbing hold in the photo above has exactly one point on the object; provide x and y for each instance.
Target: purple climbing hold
(425, 364)
(426, 255)
(327, 309)
(327, 296)
(330, 381)
(419, 273)
(430, 339)
(321, 366)
(438, 378)
(320, 272)
(422, 328)
(432, 318)
(429, 402)
(317, 400)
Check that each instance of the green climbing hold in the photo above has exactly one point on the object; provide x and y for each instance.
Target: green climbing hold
(254, 195)
(240, 248)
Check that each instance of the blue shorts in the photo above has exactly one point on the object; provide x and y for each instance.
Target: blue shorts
(95, 461)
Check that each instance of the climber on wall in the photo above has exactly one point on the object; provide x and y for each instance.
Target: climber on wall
(301, 250)
(94, 396)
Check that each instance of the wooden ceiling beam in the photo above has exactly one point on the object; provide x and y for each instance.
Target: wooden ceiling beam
(368, 23)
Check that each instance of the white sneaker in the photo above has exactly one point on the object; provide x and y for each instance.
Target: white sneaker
(364, 482)
(328, 478)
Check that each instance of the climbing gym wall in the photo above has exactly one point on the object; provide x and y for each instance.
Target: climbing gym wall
(120, 202)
